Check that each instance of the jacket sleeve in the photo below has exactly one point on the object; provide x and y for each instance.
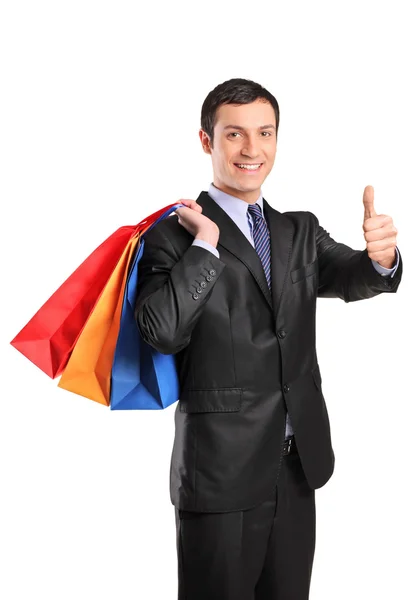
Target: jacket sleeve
(172, 291)
(349, 274)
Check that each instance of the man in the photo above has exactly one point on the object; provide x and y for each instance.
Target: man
(229, 286)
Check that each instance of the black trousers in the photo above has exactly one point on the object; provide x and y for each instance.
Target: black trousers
(263, 553)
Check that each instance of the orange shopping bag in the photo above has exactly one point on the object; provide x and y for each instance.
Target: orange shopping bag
(88, 371)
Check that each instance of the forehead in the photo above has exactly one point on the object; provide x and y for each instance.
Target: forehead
(250, 116)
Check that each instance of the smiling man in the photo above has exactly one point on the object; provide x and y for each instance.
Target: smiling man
(229, 286)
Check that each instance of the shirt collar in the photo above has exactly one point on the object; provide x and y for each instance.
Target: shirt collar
(231, 204)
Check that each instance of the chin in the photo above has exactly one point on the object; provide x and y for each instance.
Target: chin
(249, 186)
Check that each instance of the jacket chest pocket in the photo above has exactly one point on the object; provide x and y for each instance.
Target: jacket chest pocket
(304, 271)
(211, 400)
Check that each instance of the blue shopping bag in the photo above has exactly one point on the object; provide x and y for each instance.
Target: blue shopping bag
(141, 377)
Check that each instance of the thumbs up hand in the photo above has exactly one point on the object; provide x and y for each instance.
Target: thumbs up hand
(379, 232)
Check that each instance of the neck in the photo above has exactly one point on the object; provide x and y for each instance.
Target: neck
(248, 196)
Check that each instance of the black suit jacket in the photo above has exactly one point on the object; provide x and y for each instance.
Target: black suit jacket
(245, 355)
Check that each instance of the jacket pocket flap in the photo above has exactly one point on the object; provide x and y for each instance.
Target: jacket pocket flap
(211, 400)
(305, 271)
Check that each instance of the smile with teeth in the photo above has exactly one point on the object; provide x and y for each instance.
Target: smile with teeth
(248, 167)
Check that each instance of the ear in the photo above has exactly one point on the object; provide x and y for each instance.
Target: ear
(205, 141)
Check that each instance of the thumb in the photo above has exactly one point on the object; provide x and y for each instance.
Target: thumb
(368, 201)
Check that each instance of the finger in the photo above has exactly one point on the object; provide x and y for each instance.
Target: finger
(191, 204)
(380, 245)
(377, 222)
(372, 235)
(368, 201)
(182, 210)
(196, 206)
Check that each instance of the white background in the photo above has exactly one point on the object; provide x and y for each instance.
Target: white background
(100, 108)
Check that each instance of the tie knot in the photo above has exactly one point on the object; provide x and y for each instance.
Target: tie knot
(255, 210)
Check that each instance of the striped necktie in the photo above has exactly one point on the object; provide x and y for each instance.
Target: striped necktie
(261, 237)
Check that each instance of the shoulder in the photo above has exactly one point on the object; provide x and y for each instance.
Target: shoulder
(169, 231)
(296, 218)
(300, 216)
(301, 220)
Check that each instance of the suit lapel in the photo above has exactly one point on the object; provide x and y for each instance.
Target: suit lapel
(281, 240)
(231, 238)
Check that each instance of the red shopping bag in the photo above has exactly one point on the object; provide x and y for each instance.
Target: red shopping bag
(48, 339)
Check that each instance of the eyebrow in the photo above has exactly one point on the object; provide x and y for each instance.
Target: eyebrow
(242, 128)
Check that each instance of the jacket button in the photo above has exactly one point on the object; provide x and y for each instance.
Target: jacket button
(208, 278)
(195, 296)
(213, 272)
(281, 333)
(286, 388)
(199, 290)
(203, 284)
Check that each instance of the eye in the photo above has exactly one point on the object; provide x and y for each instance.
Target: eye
(267, 133)
(234, 133)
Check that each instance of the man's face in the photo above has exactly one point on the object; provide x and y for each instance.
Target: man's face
(244, 135)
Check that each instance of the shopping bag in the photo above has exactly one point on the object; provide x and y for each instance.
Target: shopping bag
(141, 377)
(88, 372)
(49, 337)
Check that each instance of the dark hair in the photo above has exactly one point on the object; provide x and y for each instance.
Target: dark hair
(233, 91)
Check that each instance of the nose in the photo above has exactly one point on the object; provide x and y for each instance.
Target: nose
(250, 147)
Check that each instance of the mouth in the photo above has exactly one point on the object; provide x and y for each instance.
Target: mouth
(249, 167)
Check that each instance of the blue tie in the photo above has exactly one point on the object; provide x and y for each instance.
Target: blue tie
(261, 237)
